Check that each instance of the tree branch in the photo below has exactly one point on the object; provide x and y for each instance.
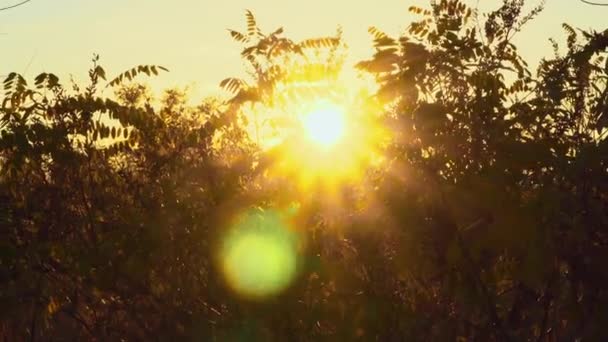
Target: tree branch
(546, 307)
(15, 5)
(474, 270)
(594, 3)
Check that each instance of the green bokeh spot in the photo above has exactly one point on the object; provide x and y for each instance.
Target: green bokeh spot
(259, 254)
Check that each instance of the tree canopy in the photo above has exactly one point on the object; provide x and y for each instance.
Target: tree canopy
(481, 214)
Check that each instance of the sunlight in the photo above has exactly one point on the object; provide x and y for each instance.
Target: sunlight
(332, 142)
(320, 133)
(325, 124)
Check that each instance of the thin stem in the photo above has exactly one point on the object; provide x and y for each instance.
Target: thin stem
(594, 3)
(15, 5)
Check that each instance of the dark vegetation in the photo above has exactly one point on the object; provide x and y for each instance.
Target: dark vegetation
(488, 222)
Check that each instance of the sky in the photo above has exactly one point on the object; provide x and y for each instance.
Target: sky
(190, 37)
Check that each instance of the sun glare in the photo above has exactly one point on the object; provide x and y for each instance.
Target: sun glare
(319, 134)
(325, 124)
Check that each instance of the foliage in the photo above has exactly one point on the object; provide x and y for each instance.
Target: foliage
(487, 222)
(88, 246)
(273, 59)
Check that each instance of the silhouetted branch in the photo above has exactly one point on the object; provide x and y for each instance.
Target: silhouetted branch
(15, 5)
(547, 298)
(594, 3)
(474, 274)
(79, 320)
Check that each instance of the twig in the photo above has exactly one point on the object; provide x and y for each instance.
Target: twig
(80, 320)
(594, 3)
(15, 5)
(547, 298)
(473, 273)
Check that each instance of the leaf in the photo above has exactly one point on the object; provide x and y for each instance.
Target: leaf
(571, 34)
(384, 42)
(376, 33)
(317, 43)
(39, 80)
(100, 72)
(233, 85)
(415, 9)
(8, 82)
(252, 26)
(144, 68)
(239, 37)
(132, 73)
(14, 83)
(383, 61)
(53, 80)
(277, 32)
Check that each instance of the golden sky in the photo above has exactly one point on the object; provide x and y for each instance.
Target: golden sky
(189, 36)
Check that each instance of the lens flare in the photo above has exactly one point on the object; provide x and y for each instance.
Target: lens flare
(258, 256)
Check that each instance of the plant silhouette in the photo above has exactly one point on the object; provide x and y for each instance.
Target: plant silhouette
(485, 221)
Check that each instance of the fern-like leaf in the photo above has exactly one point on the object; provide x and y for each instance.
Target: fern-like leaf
(572, 36)
(14, 83)
(318, 43)
(233, 85)
(376, 33)
(47, 80)
(252, 25)
(132, 73)
(238, 36)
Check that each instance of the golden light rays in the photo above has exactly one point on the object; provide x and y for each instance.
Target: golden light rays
(334, 143)
(318, 138)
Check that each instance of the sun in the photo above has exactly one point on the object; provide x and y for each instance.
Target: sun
(325, 124)
(328, 143)
(318, 137)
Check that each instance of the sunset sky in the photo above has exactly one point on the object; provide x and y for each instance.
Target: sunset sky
(189, 36)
